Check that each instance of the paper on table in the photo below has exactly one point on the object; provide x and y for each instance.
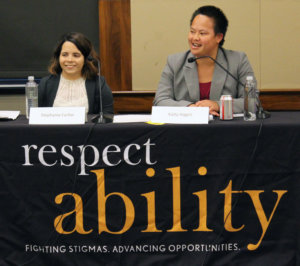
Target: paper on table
(137, 118)
(131, 118)
(9, 115)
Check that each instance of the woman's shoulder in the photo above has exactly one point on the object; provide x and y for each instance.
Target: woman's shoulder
(48, 82)
(178, 57)
(49, 77)
(178, 60)
(234, 54)
(95, 80)
(237, 59)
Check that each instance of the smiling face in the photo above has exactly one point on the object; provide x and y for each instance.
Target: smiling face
(202, 38)
(71, 61)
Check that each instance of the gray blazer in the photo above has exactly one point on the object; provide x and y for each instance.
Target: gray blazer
(179, 84)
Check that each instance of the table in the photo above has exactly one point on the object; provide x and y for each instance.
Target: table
(226, 193)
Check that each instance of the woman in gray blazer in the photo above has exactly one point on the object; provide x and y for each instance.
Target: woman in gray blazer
(202, 82)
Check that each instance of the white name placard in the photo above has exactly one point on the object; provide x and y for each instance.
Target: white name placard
(180, 115)
(57, 116)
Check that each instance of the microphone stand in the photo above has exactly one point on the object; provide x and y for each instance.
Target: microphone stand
(261, 113)
(100, 118)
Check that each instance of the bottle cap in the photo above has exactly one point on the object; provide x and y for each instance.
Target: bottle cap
(31, 78)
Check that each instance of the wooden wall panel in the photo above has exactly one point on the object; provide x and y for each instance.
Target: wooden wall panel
(115, 43)
(141, 101)
(280, 100)
(133, 101)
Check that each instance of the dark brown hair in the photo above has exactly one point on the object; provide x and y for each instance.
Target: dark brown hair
(83, 44)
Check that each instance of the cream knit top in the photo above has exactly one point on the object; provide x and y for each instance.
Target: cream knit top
(71, 93)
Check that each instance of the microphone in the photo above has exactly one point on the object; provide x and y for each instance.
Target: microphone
(100, 119)
(261, 113)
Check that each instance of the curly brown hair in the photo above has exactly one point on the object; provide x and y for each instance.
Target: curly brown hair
(84, 45)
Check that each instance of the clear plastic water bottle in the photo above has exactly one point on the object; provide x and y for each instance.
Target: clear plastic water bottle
(250, 100)
(31, 90)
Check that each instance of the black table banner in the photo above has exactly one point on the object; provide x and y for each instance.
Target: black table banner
(226, 193)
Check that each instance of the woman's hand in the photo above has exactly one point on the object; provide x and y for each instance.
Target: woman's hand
(214, 107)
